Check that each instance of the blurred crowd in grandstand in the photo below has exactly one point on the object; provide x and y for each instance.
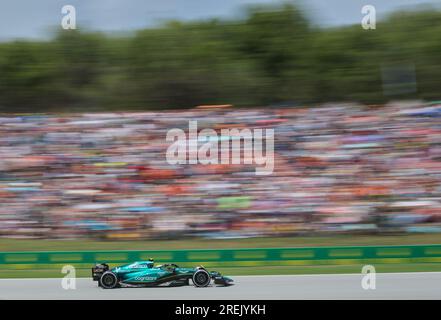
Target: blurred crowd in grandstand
(338, 168)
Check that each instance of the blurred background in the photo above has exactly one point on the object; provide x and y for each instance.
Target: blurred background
(85, 112)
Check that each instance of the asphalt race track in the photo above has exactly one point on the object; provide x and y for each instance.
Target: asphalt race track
(344, 286)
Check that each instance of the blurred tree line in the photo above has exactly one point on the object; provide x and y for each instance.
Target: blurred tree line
(272, 56)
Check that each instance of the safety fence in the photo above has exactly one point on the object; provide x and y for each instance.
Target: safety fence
(229, 257)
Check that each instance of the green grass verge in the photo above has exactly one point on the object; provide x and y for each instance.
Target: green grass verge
(338, 240)
(235, 271)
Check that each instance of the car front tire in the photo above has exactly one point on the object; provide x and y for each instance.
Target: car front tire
(201, 278)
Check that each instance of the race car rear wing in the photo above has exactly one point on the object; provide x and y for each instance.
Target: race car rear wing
(98, 270)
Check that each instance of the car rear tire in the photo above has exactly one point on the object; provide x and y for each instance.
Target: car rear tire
(108, 280)
(201, 278)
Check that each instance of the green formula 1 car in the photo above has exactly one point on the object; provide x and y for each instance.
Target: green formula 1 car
(146, 274)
